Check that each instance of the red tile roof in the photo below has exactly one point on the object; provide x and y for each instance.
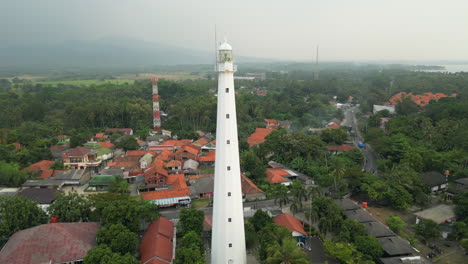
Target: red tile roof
(178, 143)
(139, 153)
(165, 155)
(154, 170)
(106, 144)
(201, 142)
(333, 125)
(248, 187)
(209, 157)
(258, 136)
(101, 135)
(129, 162)
(190, 149)
(17, 145)
(276, 175)
(290, 223)
(419, 99)
(56, 243)
(173, 163)
(41, 165)
(179, 189)
(78, 152)
(156, 242)
(341, 148)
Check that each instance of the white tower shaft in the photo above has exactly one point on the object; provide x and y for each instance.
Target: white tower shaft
(156, 113)
(228, 237)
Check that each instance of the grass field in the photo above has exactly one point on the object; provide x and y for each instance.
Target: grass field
(86, 82)
(200, 203)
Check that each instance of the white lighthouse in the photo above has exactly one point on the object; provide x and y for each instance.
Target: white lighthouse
(228, 238)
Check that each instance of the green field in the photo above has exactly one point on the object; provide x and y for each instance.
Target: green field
(86, 82)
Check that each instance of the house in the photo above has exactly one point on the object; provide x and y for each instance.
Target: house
(44, 197)
(332, 125)
(347, 204)
(123, 131)
(60, 179)
(258, 137)
(359, 215)
(294, 225)
(101, 182)
(278, 175)
(172, 191)
(419, 99)
(293, 175)
(146, 160)
(190, 167)
(460, 186)
(177, 143)
(208, 159)
(100, 137)
(405, 260)
(50, 243)
(201, 142)
(158, 245)
(209, 147)
(440, 213)
(395, 246)
(271, 123)
(203, 186)
(106, 145)
(173, 166)
(378, 108)
(42, 168)
(377, 229)
(81, 158)
(340, 148)
(435, 181)
(187, 152)
(155, 175)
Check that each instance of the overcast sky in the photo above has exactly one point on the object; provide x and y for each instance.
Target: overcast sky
(285, 29)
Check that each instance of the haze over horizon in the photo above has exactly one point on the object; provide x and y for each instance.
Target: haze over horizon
(344, 30)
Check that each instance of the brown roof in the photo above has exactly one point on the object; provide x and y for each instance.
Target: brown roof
(139, 153)
(201, 142)
(333, 125)
(79, 152)
(178, 189)
(190, 149)
(290, 222)
(157, 241)
(173, 163)
(55, 243)
(128, 162)
(341, 148)
(41, 165)
(276, 175)
(248, 187)
(258, 136)
(209, 157)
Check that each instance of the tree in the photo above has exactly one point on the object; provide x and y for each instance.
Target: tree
(260, 220)
(189, 255)
(250, 235)
(58, 165)
(10, 175)
(286, 252)
(460, 231)
(427, 229)
(252, 165)
(461, 206)
(395, 223)
(334, 136)
(407, 106)
(119, 185)
(192, 239)
(464, 244)
(191, 220)
(280, 193)
(345, 252)
(18, 213)
(72, 207)
(118, 238)
(350, 229)
(369, 246)
(127, 143)
(102, 254)
(113, 208)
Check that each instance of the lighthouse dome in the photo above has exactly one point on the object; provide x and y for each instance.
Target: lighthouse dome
(225, 46)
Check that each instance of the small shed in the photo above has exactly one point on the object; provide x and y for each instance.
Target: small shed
(435, 180)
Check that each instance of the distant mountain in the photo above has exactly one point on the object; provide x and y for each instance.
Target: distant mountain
(109, 52)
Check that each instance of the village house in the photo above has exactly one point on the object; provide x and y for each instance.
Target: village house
(340, 148)
(292, 174)
(81, 158)
(41, 169)
(459, 187)
(167, 190)
(258, 137)
(209, 147)
(187, 152)
(158, 243)
(332, 125)
(208, 159)
(435, 181)
(61, 243)
(293, 224)
(173, 166)
(60, 179)
(44, 197)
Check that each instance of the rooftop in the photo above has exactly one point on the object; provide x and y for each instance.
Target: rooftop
(157, 241)
(290, 222)
(258, 136)
(359, 215)
(377, 229)
(40, 195)
(50, 243)
(438, 214)
(394, 246)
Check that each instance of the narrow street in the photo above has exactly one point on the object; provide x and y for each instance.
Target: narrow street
(370, 156)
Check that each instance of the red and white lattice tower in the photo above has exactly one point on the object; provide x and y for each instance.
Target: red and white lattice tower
(156, 113)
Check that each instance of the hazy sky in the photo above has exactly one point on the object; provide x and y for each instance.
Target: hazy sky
(286, 29)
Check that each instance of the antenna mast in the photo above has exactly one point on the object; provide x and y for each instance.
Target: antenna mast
(316, 64)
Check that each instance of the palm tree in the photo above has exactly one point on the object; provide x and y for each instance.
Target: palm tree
(337, 173)
(286, 253)
(296, 205)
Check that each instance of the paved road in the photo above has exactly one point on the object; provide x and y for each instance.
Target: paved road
(370, 156)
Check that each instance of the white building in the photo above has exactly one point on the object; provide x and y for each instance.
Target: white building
(378, 108)
(228, 237)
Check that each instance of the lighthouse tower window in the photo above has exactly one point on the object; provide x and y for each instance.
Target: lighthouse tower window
(227, 90)
(227, 115)
(228, 141)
